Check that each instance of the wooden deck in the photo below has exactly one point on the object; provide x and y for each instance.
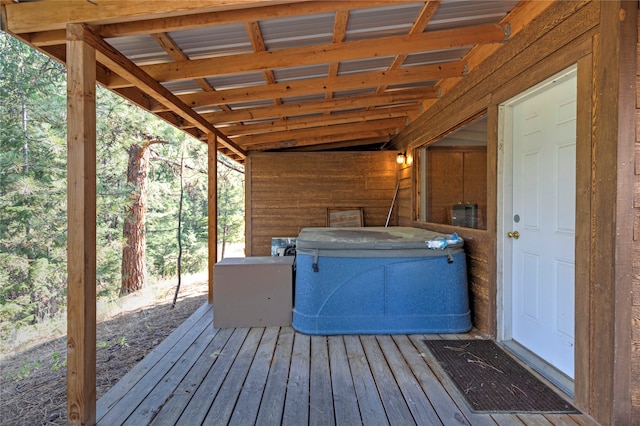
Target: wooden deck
(271, 376)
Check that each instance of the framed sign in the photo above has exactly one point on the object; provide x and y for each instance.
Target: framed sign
(345, 217)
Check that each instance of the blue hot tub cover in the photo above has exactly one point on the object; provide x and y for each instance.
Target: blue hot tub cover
(380, 280)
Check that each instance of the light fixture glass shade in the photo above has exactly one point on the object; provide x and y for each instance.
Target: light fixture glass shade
(401, 158)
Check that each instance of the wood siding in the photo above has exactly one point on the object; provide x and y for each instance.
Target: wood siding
(635, 341)
(607, 367)
(290, 191)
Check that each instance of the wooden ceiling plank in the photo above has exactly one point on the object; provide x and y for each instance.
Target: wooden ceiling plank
(325, 120)
(393, 125)
(114, 60)
(286, 110)
(363, 80)
(310, 55)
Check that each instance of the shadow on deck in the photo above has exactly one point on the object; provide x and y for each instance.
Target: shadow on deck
(274, 375)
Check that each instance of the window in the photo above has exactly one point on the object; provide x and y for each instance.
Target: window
(452, 177)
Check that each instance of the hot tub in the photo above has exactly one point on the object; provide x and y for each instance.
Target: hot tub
(379, 280)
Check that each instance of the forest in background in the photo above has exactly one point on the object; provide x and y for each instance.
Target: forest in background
(33, 189)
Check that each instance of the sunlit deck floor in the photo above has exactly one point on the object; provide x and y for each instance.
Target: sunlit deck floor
(272, 376)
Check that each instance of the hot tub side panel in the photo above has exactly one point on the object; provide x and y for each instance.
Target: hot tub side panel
(381, 295)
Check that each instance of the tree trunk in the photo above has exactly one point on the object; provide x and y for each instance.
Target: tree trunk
(134, 268)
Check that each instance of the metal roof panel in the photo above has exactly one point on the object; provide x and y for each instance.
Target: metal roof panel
(308, 30)
(382, 21)
(232, 81)
(141, 49)
(213, 41)
(464, 13)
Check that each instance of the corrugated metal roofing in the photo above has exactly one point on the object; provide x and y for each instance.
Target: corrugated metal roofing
(141, 49)
(231, 35)
(299, 73)
(364, 65)
(232, 81)
(308, 30)
(182, 87)
(382, 21)
(436, 56)
(464, 13)
(213, 41)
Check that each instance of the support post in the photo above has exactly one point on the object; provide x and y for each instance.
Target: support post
(614, 139)
(81, 224)
(213, 206)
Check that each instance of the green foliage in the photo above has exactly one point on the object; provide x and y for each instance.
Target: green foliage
(33, 226)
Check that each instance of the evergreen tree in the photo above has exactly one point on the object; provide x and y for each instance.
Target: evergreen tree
(33, 189)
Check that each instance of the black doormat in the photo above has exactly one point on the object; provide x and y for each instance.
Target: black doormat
(491, 381)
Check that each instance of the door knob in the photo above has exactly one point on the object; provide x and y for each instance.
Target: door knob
(514, 234)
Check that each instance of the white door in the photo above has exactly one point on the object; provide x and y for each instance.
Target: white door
(543, 214)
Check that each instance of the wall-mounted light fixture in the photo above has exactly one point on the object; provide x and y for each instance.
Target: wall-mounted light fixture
(401, 158)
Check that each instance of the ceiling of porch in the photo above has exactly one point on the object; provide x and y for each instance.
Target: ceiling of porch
(274, 75)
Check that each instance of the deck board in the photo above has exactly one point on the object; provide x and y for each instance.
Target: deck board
(272, 404)
(296, 404)
(274, 375)
(344, 393)
(367, 394)
(320, 392)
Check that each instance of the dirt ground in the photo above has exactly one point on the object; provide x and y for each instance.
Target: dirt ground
(33, 380)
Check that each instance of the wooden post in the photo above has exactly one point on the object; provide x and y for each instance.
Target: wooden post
(81, 224)
(213, 207)
(612, 206)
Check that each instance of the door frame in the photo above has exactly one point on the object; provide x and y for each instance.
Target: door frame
(504, 259)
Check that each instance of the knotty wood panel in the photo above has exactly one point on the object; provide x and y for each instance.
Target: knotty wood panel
(290, 191)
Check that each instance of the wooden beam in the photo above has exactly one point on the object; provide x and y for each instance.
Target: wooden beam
(55, 14)
(362, 80)
(115, 61)
(200, 20)
(615, 65)
(237, 16)
(388, 126)
(331, 105)
(363, 138)
(171, 47)
(81, 239)
(339, 34)
(212, 208)
(340, 145)
(327, 53)
(324, 120)
(257, 42)
(427, 12)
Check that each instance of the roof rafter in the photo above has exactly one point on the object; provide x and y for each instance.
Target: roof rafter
(363, 80)
(390, 126)
(323, 120)
(354, 102)
(171, 47)
(55, 14)
(318, 141)
(427, 12)
(286, 58)
(184, 21)
(114, 60)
